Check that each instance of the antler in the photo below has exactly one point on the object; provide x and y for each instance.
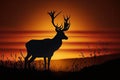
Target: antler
(61, 27)
(66, 23)
(53, 16)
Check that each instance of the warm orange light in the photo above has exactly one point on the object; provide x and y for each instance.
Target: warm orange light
(39, 20)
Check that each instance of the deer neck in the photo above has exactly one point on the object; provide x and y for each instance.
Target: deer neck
(57, 42)
(57, 39)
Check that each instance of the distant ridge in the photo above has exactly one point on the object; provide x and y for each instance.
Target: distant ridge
(107, 70)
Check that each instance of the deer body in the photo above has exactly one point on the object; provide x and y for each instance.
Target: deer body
(45, 48)
(42, 48)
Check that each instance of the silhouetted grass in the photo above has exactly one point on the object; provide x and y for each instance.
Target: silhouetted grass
(106, 70)
(15, 69)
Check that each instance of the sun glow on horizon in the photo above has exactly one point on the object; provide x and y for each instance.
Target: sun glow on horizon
(78, 42)
(34, 22)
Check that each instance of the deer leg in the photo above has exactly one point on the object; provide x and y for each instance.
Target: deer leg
(26, 59)
(49, 58)
(31, 59)
(45, 63)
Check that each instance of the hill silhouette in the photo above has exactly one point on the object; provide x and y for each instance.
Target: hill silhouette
(106, 70)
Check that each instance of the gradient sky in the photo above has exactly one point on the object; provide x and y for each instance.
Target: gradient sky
(85, 14)
(92, 21)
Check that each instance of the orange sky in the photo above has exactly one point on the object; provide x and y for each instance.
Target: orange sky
(22, 20)
(85, 14)
(79, 41)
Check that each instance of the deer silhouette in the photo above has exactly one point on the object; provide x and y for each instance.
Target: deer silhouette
(45, 48)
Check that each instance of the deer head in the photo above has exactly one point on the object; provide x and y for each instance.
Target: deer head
(60, 29)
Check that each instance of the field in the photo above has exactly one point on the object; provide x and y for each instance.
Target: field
(71, 69)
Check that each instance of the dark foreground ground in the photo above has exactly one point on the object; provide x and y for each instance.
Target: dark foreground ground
(108, 70)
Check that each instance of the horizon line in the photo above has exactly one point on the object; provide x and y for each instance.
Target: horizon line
(68, 50)
(72, 31)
